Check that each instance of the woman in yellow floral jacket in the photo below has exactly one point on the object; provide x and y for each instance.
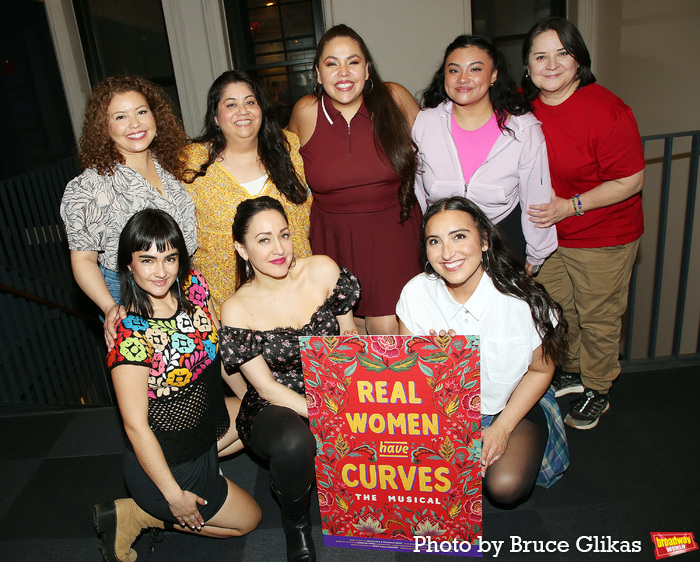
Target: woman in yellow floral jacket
(242, 154)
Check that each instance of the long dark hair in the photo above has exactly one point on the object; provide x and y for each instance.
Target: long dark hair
(151, 226)
(507, 275)
(503, 95)
(244, 214)
(571, 39)
(392, 137)
(273, 147)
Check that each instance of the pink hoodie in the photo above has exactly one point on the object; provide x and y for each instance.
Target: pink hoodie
(515, 171)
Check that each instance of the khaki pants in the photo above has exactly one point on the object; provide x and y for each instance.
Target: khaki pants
(592, 285)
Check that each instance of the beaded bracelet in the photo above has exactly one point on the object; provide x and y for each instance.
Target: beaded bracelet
(578, 207)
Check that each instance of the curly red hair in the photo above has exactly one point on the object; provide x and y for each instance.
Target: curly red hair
(97, 149)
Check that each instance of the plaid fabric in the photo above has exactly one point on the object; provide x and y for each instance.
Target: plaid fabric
(556, 455)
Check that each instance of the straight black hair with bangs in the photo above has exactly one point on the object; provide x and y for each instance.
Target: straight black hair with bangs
(147, 227)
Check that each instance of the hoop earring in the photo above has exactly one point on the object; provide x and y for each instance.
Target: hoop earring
(318, 91)
(425, 268)
(293, 262)
(371, 86)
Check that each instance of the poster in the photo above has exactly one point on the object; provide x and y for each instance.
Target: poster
(398, 431)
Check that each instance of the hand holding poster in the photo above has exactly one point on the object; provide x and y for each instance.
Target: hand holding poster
(397, 426)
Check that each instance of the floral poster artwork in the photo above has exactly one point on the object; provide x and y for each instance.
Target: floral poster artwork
(398, 434)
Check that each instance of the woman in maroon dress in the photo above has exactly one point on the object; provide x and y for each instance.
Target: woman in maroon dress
(360, 163)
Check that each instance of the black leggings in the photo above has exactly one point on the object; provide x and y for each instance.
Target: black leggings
(510, 480)
(282, 437)
(512, 229)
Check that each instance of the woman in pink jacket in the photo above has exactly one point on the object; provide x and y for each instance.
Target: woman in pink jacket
(477, 138)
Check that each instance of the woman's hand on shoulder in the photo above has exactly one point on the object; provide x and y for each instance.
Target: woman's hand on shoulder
(112, 315)
(406, 102)
(303, 119)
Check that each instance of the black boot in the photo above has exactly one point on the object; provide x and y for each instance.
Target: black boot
(297, 526)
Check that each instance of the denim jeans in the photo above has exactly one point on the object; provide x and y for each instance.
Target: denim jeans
(112, 280)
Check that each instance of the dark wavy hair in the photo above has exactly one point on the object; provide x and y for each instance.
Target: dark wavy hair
(97, 149)
(244, 214)
(571, 40)
(507, 274)
(273, 147)
(503, 95)
(151, 226)
(392, 136)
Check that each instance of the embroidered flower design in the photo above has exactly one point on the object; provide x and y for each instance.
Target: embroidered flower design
(198, 295)
(428, 528)
(160, 387)
(179, 377)
(158, 338)
(472, 401)
(183, 344)
(369, 525)
(201, 321)
(133, 349)
(210, 348)
(157, 365)
(472, 508)
(325, 501)
(135, 323)
(385, 346)
(184, 323)
(313, 402)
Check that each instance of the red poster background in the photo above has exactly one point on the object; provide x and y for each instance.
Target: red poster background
(398, 431)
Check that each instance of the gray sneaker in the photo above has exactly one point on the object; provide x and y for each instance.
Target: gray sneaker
(565, 383)
(586, 411)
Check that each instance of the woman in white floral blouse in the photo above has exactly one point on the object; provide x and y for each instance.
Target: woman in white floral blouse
(130, 148)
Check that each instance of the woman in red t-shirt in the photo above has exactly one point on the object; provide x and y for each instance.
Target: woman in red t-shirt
(597, 167)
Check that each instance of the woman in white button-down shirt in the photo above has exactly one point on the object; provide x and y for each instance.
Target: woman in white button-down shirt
(473, 286)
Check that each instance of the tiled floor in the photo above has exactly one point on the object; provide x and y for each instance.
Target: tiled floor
(639, 471)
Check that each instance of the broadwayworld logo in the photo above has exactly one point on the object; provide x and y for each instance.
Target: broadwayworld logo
(670, 544)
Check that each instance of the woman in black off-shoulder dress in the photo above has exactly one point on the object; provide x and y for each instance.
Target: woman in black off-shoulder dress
(279, 298)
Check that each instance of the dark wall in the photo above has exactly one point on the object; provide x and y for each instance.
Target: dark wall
(35, 124)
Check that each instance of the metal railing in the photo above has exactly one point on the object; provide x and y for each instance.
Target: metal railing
(671, 184)
(49, 353)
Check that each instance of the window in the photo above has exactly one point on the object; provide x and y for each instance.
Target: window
(507, 22)
(276, 41)
(126, 37)
(35, 123)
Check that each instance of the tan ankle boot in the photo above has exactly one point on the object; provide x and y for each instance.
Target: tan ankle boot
(118, 525)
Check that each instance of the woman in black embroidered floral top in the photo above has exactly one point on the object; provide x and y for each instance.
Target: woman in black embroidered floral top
(166, 371)
(279, 298)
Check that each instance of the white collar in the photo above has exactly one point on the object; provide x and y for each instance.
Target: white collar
(475, 305)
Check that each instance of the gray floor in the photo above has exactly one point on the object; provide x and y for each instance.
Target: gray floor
(637, 472)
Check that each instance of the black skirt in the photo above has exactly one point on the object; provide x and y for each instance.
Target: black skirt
(200, 476)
